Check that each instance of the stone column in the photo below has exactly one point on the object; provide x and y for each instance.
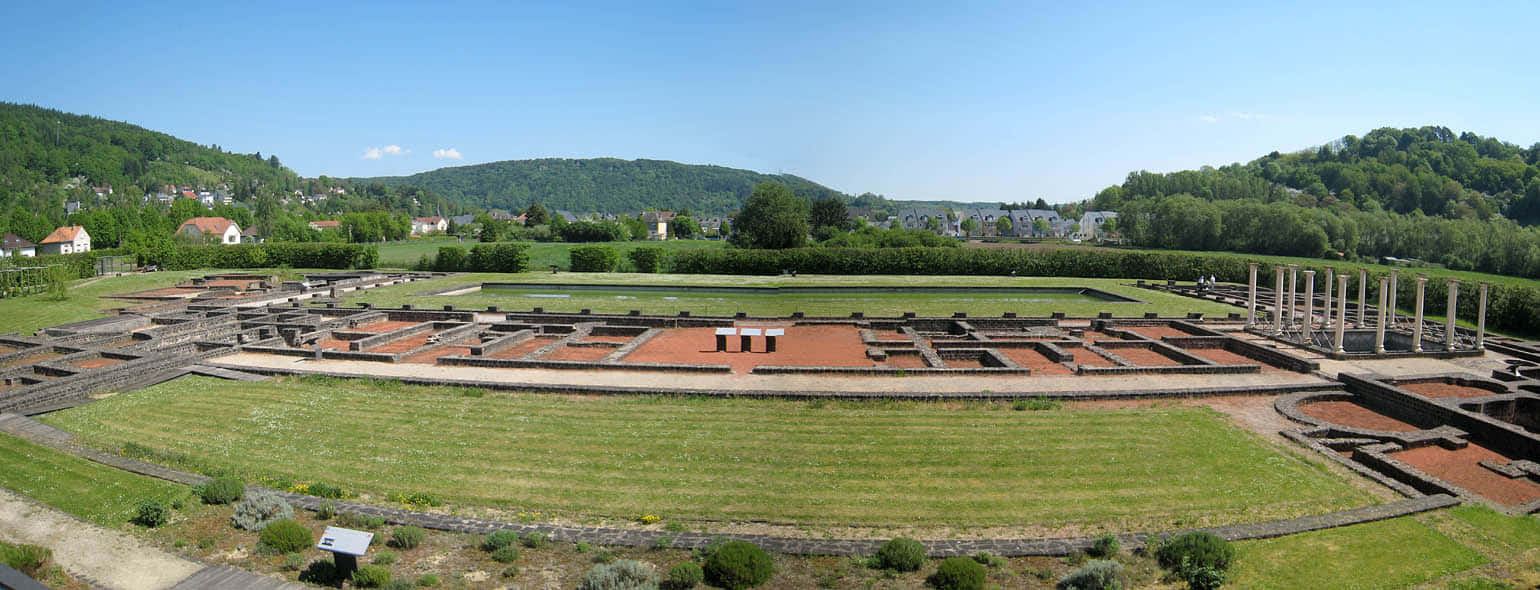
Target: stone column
(1342, 280)
(1251, 296)
(1277, 300)
(1451, 313)
(1422, 285)
(1392, 303)
(1363, 295)
(1326, 306)
(1379, 326)
(1309, 305)
(1481, 319)
(1290, 310)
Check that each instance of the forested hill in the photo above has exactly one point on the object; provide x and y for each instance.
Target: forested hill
(1462, 200)
(42, 149)
(605, 185)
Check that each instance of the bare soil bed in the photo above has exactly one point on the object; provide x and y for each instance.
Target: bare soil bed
(431, 356)
(802, 346)
(97, 362)
(1435, 389)
(522, 348)
(579, 353)
(1351, 414)
(1035, 360)
(1145, 357)
(1461, 467)
(1225, 357)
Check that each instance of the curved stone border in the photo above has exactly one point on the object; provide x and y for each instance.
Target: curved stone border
(60, 440)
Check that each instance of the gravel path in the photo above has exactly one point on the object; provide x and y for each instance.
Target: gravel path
(106, 558)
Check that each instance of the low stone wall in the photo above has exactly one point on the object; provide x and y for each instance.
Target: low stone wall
(474, 361)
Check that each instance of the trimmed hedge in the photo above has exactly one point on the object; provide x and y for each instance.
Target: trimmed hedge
(498, 257)
(594, 259)
(295, 255)
(646, 259)
(1509, 306)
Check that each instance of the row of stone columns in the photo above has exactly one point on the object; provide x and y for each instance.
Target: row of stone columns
(1285, 306)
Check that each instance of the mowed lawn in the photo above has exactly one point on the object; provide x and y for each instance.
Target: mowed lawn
(895, 463)
(104, 495)
(1396, 553)
(872, 304)
(29, 314)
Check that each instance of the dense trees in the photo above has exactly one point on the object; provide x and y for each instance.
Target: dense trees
(604, 185)
(772, 217)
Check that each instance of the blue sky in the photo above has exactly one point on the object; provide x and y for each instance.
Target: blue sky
(924, 100)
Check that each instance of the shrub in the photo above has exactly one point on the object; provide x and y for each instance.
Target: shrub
(958, 573)
(1105, 546)
(505, 554)
(593, 259)
(415, 499)
(221, 490)
(498, 540)
(382, 558)
(327, 511)
(286, 536)
(1094, 575)
(1202, 577)
(645, 259)
(534, 540)
(406, 537)
(901, 554)
(27, 559)
(993, 561)
(605, 556)
(511, 571)
(360, 521)
(292, 562)
(450, 259)
(498, 257)
(428, 580)
(323, 490)
(626, 574)
(259, 509)
(584, 547)
(684, 576)
(594, 231)
(151, 513)
(370, 576)
(738, 564)
(1187, 553)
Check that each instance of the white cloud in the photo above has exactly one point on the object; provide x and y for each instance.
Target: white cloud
(375, 153)
(448, 154)
(1208, 118)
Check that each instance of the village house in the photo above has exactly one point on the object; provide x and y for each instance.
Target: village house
(1091, 224)
(217, 229)
(250, 235)
(427, 225)
(14, 245)
(985, 219)
(324, 224)
(657, 224)
(70, 239)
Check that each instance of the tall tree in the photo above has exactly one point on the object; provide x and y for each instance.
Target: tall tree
(772, 217)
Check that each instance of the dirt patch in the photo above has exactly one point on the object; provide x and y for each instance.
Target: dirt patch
(1158, 332)
(7, 349)
(802, 346)
(579, 353)
(963, 363)
(1145, 357)
(905, 361)
(383, 326)
(333, 344)
(1094, 336)
(1352, 415)
(1461, 467)
(32, 359)
(609, 339)
(96, 363)
(431, 356)
(1225, 357)
(1436, 389)
(522, 348)
(1032, 359)
(402, 345)
(1090, 358)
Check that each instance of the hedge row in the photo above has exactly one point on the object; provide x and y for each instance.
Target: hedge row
(82, 265)
(295, 255)
(489, 257)
(1509, 306)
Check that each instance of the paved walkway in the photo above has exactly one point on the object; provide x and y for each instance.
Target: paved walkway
(103, 557)
(748, 385)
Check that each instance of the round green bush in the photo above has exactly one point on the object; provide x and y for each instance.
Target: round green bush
(221, 490)
(286, 536)
(406, 537)
(506, 554)
(534, 540)
(738, 564)
(958, 573)
(428, 580)
(684, 576)
(371, 576)
(1105, 546)
(1193, 551)
(498, 540)
(901, 554)
(1094, 575)
(151, 513)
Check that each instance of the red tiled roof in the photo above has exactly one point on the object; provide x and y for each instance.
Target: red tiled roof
(63, 234)
(189, 195)
(208, 225)
(326, 223)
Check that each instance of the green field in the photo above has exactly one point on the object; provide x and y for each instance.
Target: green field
(873, 304)
(1395, 553)
(808, 462)
(26, 315)
(542, 255)
(92, 491)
